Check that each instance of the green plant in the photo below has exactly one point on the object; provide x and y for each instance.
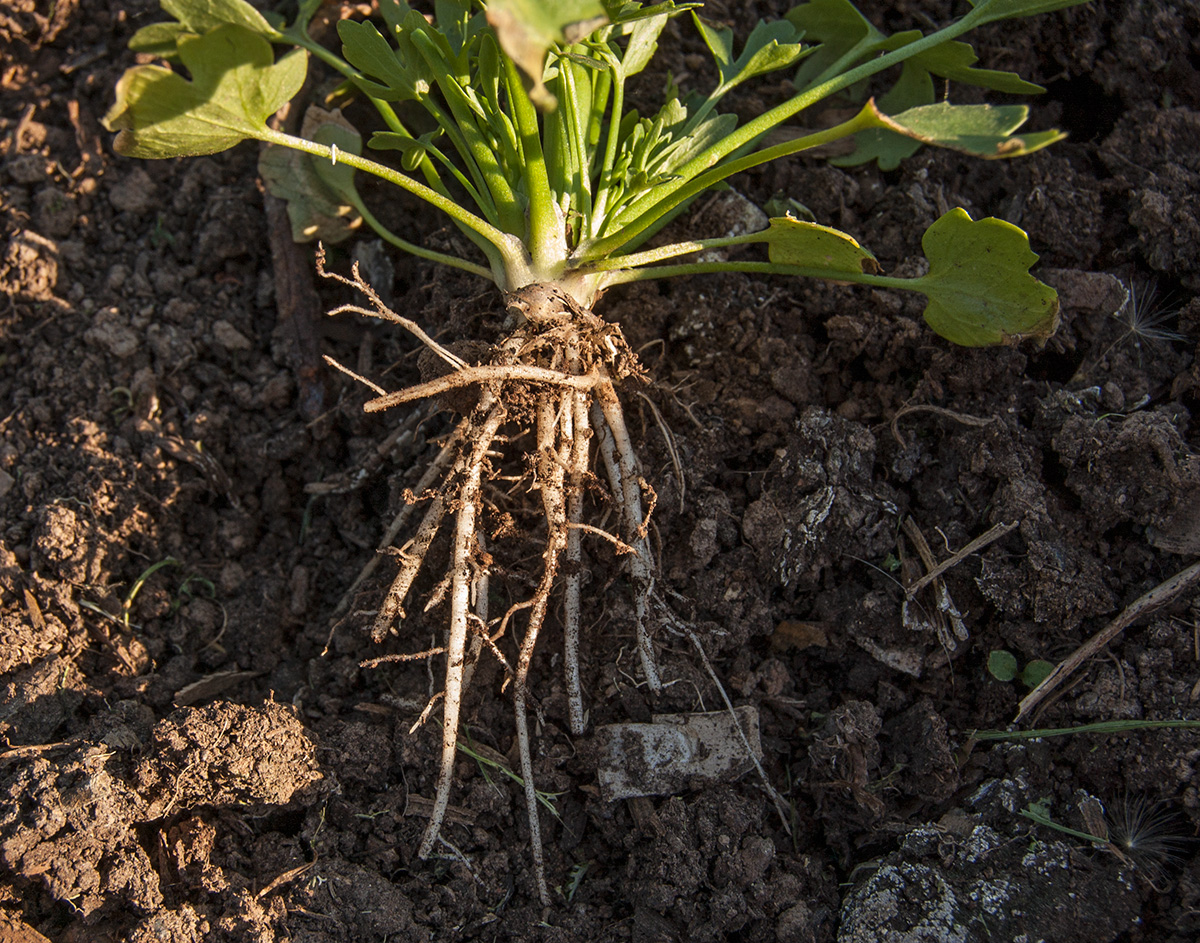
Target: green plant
(509, 117)
(1003, 666)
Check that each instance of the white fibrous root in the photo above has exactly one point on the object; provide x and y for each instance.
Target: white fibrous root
(554, 371)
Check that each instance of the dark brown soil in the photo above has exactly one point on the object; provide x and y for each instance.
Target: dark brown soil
(192, 755)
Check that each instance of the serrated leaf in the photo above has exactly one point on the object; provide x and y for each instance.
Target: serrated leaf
(365, 48)
(526, 29)
(811, 245)
(979, 288)
(236, 86)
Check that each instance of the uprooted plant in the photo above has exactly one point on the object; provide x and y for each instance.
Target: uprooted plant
(523, 108)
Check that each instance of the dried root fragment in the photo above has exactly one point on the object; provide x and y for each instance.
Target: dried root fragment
(555, 370)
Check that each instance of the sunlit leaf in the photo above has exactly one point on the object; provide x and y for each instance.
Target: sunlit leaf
(810, 245)
(979, 288)
(986, 131)
(201, 16)
(193, 18)
(236, 86)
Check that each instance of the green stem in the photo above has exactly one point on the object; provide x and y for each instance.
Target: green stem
(581, 183)
(508, 208)
(604, 179)
(546, 239)
(512, 253)
(662, 253)
(763, 268)
(647, 208)
(486, 201)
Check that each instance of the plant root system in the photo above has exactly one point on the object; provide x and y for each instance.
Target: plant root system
(554, 371)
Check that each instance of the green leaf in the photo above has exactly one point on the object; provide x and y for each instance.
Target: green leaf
(992, 10)
(979, 288)
(1036, 672)
(159, 39)
(195, 17)
(955, 60)
(843, 32)
(643, 44)
(980, 130)
(810, 245)
(1002, 665)
(236, 86)
(527, 29)
(365, 48)
(770, 46)
(201, 16)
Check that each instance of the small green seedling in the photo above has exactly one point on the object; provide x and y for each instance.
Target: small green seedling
(510, 117)
(1003, 666)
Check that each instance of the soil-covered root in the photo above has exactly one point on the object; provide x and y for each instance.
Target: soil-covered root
(554, 370)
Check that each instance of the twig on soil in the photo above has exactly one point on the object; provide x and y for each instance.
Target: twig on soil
(991, 535)
(284, 878)
(937, 411)
(1162, 594)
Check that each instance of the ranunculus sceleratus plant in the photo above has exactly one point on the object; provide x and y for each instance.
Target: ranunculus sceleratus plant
(535, 157)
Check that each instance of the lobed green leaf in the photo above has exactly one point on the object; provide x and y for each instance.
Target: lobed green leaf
(979, 288)
(391, 79)
(236, 86)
